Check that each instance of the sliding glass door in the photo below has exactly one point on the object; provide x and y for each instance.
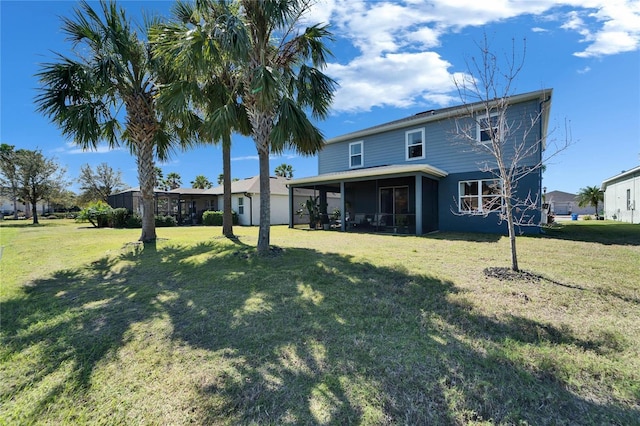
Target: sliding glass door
(394, 206)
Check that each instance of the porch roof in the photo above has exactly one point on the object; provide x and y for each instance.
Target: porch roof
(371, 172)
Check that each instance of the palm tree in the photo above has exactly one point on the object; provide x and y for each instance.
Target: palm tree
(284, 170)
(173, 180)
(281, 79)
(209, 79)
(112, 71)
(590, 196)
(201, 182)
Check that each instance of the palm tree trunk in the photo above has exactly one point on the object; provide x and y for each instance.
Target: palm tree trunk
(227, 216)
(262, 124)
(265, 201)
(146, 177)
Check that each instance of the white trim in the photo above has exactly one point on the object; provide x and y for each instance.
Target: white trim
(361, 154)
(422, 143)
(479, 128)
(371, 172)
(479, 197)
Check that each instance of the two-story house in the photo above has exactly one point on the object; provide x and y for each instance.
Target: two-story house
(416, 175)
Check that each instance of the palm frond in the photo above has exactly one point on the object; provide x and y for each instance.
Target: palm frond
(293, 130)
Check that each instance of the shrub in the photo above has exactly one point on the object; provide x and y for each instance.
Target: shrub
(120, 216)
(587, 217)
(133, 221)
(165, 221)
(214, 218)
(99, 214)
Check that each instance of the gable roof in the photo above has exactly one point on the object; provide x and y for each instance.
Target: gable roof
(449, 112)
(278, 186)
(560, 196)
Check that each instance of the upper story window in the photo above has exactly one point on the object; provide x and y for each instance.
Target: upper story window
(356, 154)
(487, 128)
(414, 144)
(480, 196)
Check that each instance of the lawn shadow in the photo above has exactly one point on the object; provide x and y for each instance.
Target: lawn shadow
(10, 223)
(298, 339)
(464, 236)
(302, 337)
(601, 232)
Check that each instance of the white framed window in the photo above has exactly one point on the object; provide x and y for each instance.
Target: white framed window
(414, 143)
(486, 127)
(356, 154)
(240, 205)
(480, 196)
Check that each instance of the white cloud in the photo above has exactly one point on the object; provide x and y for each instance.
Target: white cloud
(394, 79)
(271, 157)
(395, 63)
(72, 148)
(539, 30)
(244, 158)
(584, 70)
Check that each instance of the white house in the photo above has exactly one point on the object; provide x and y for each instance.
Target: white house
(565, 203)
(622, 195)
(245, 200)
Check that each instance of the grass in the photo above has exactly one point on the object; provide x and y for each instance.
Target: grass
(333, 329)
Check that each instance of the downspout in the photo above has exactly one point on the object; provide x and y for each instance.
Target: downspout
(246, 194)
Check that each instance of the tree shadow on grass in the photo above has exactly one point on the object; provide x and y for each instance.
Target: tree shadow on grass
(602, 232)
(301, 337)
(29, 224)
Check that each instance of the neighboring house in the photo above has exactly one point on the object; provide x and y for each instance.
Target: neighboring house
(185, 204)
(621, 196)
(245, 200)
(188, 204)
(24, 209)
(414, 176)
(565, 203)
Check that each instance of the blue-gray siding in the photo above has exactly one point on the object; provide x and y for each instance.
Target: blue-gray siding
(451, 220)
(444, 149)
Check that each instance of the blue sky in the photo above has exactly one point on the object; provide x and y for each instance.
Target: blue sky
(392, 59)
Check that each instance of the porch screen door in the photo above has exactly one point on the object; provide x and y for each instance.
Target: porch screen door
(393, 201)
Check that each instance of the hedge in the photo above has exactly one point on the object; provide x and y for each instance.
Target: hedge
(214, 218)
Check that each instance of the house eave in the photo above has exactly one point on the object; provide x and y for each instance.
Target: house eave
(632, 172)
(445, 113)
(371, 172)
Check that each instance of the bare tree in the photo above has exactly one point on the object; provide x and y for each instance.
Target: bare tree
(512, 143)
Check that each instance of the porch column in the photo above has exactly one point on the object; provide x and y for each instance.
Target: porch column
(343, 209)
(418, 205)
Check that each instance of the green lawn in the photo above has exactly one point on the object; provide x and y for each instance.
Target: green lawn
(333, 328)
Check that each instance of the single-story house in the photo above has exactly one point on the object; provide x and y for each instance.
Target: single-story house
(564, 203)
(188, 204)
(245, 200)
(415, 175)
(621, 195)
